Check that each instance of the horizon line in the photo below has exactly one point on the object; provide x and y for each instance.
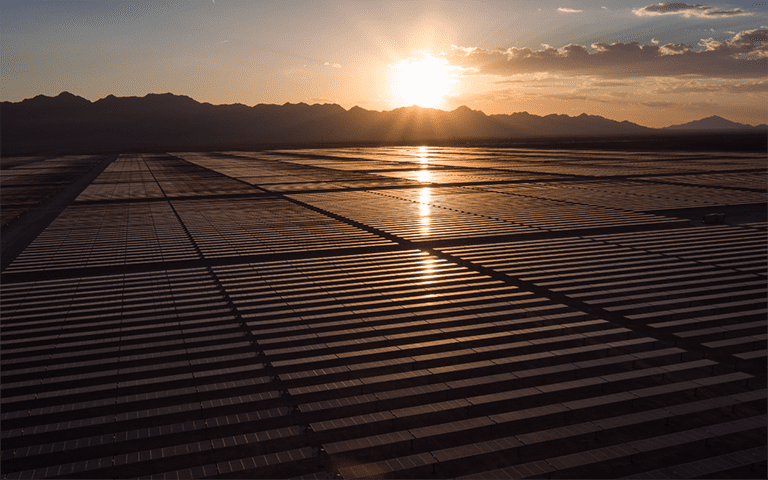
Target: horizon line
(368, 110)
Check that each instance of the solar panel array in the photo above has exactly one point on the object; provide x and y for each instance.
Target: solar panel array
(26, 182)
(391, 312)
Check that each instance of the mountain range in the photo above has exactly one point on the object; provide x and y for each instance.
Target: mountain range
(69, 123)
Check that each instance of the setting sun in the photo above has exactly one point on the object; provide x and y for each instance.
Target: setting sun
(424, 82)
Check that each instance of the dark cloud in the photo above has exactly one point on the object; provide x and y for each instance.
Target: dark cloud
(727, 13)
(687, 10)
(673, 7)
(745, 55)
(757, 38)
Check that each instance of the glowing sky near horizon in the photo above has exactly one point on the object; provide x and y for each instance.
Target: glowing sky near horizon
(649, 63)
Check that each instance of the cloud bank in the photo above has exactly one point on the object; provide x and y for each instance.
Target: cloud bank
(745, 55)
(686, 10)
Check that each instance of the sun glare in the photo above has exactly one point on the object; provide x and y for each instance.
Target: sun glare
(424, 82)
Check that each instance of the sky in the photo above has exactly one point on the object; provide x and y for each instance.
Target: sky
(655, 64)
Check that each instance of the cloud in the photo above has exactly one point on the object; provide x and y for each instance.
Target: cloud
(611, 83)
(625, 100)
(690, 106)
(611, 98)
(696, 86)
(334, 65)
(745, 55)
(528, 80)
(756, 87)
(568, 10)
(687, 10)
(655, 41)
(569, 97)
(658, 104)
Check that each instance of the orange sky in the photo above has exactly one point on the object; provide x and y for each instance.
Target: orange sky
(652, 64)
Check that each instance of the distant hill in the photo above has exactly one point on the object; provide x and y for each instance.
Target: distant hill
(71, 124)
(572, 126)
(715, 123)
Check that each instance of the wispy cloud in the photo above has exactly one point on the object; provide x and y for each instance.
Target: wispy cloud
(745, 55)
(315, 100)
(658, 104)
(334, 65)
(628, 100)
(611, 83)
(697, 86)
(568, 10)
(223, 41)
(687, 10)
(655, 41)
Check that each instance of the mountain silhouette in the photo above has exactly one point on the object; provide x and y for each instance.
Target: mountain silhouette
(71, 124)
(714, 123)
(573, 126)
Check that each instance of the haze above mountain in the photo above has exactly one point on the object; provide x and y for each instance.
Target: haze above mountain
(166, 121)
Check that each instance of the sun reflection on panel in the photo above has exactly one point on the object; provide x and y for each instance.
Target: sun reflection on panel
(428, 270)
(423, 154)
(424, 210)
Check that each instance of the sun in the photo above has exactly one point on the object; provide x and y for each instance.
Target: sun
(425, 81)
